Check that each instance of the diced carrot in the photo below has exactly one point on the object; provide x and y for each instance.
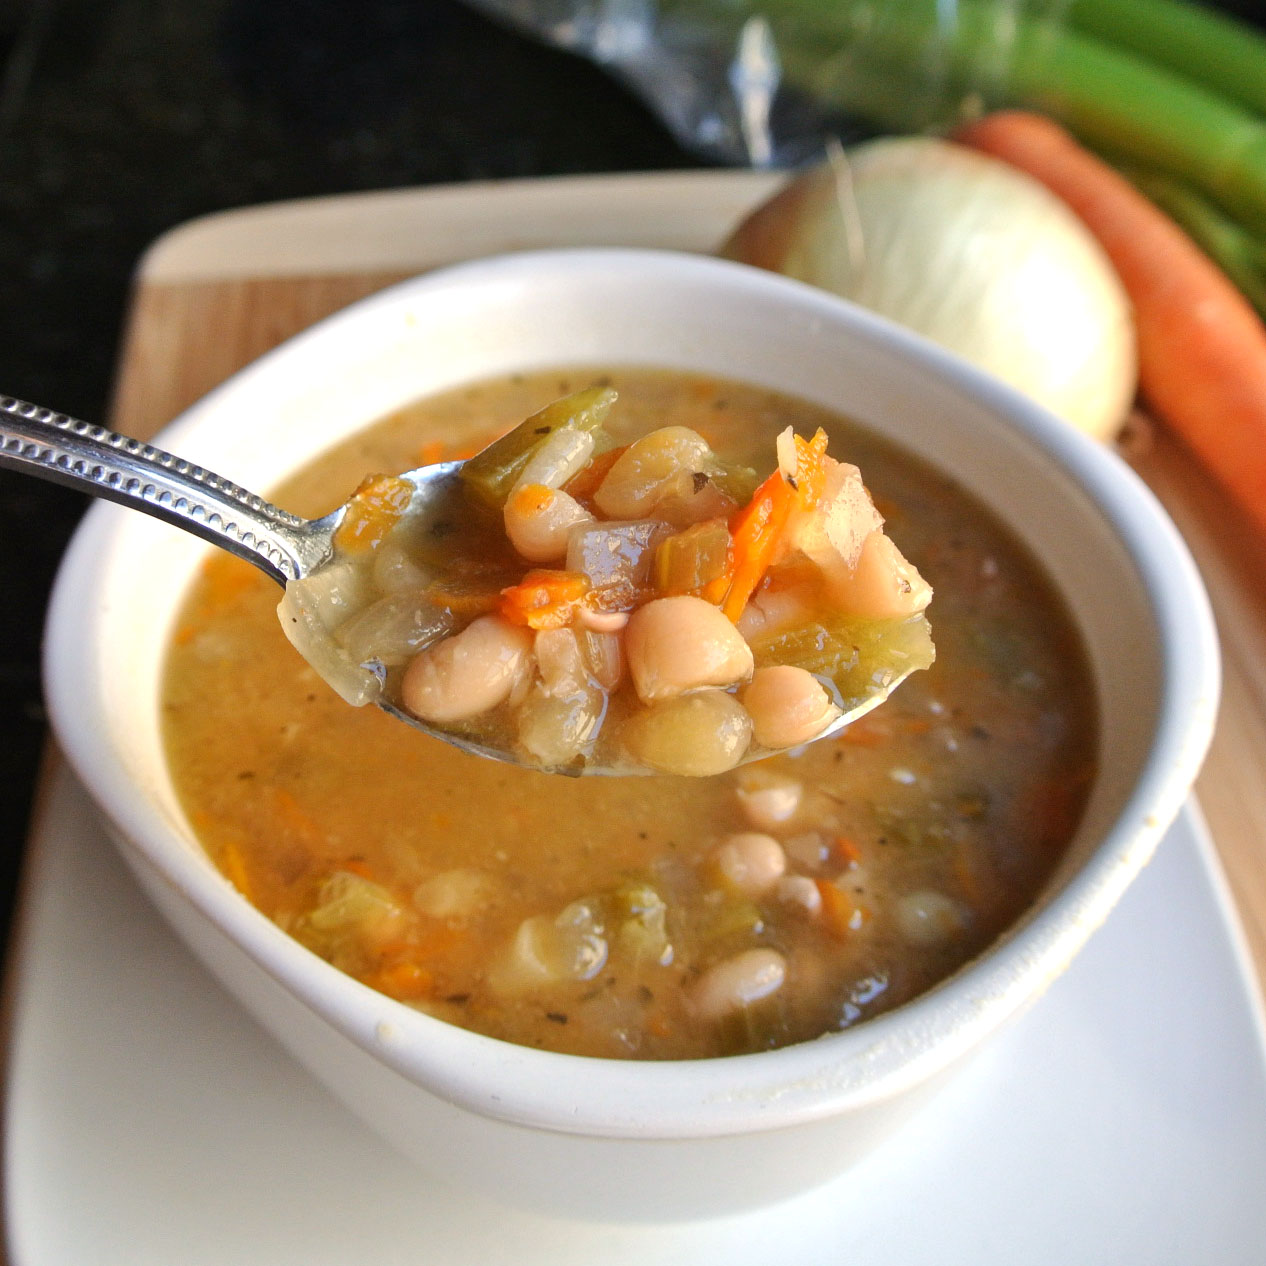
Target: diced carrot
(544, 599)
(1202, 347)
(374, 509)
(755, 530)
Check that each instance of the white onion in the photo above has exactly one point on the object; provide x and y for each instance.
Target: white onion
(969, 252)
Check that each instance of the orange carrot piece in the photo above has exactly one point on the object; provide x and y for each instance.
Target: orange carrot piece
(755, 530)
(846, 850)
(544, 599)
(402, 981)
(1202, 348)
(585, 482)
(374, 509)
(840, 914)
(233, 864)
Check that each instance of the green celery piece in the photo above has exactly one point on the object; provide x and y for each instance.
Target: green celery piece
(491, 474)
(857, 655)
(1238, 253)
(904, 65)
(1212, 48)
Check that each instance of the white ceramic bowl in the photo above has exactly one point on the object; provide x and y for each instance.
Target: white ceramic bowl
(613, 1138)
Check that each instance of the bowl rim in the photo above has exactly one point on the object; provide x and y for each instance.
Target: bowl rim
(737, 1094)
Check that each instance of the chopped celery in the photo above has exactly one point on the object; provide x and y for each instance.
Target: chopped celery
(491, 474)
(642, 917)
(688, 560)
(857, 655)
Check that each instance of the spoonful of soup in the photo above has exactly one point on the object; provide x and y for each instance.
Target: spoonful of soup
(559, 600)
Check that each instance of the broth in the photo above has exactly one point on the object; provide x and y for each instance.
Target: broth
(648, 917)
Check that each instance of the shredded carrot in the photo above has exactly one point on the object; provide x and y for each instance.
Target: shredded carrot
(292, 817)
(544, 599)
(757, 528)
(402, 980)
(586, 481)
(374, 509)
(357, 866)
(531, 499)
(1202, 348)
(840, 914)
(233, 863)
(847, 850)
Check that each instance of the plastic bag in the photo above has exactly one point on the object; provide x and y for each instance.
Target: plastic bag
(764, 82)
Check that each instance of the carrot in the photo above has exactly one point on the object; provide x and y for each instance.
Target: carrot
(755, 530)
(233, 864)
(839, 913)
(402, 981)
(544, 599)
(374, 509)
(847, 851)
(586, 481)
(1202, 348)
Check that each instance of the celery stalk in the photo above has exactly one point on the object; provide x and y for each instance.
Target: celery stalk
(491, 474)
(876, 59)
(1211, 48)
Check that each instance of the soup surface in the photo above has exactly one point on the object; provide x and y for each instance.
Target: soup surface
(650, 916)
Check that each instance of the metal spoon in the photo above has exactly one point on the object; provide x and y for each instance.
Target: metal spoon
(88, 458)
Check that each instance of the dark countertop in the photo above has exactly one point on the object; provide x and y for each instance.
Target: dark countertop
(122, 118)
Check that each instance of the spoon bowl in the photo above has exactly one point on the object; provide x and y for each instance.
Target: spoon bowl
(38, 441)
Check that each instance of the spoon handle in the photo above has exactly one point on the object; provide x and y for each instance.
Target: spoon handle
(37, 441)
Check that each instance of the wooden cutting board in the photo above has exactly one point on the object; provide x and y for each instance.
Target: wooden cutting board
(216, 293)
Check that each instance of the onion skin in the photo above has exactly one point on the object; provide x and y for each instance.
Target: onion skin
(968, 252)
